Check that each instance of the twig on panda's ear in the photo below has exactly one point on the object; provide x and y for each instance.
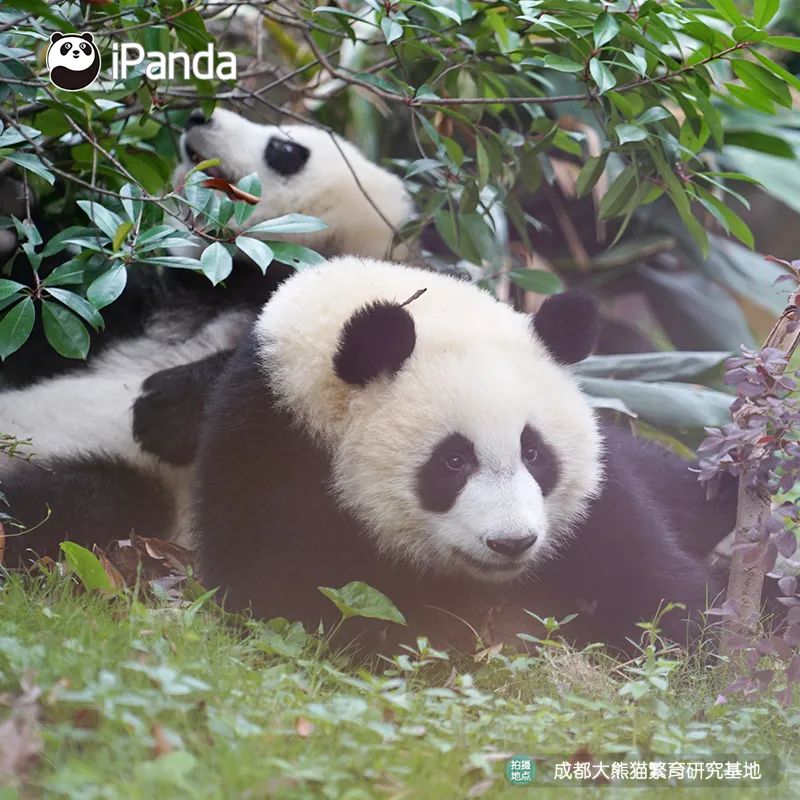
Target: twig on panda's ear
(414, 296)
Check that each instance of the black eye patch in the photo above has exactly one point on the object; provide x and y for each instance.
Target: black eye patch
(539, 459)
(285, 156)
(86, 48)
(446, 472)
(65, 48)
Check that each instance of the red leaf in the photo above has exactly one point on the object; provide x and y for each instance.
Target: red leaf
(233, 192)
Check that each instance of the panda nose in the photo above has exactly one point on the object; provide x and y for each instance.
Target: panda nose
(511, 546)
(197, 117)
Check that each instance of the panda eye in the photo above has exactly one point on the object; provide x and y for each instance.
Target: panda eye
(285, 156)
(65, 48)
(85, 47)
(455, 461)
(529, 445)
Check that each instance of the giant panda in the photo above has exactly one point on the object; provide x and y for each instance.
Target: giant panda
(385, 424)
(92, 480)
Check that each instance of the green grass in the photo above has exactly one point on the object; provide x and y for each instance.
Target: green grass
(148, 700)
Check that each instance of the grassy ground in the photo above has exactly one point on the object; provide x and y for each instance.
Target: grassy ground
(122, 699)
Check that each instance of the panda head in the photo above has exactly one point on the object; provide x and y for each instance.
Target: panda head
(73, 60)
(304, 169)
(458, 437)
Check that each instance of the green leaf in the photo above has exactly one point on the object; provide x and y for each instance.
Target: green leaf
(538, 281)
(259, 251)
(106, 220)
(694, 311)
(762, 142)
(131, 201)
(605, 29)
(80, 306)
(764, 11)
(630, 133)
(9, 288)
(16, 327)
(289, 223)
(791, 43)
(70, 272)
(728, 218)
(358, 599)
(746, 273)
(590, 173)
(561, 64)
(33, 164)
(392, 30)
(106, 288)
(65, 332)
(86, 565)
(216, 262)
(761, 80)
(252, 185)
(666, 404)
(663, 366)
(602, 76)
(680, 199)
(295, 255)
(119, 236)
(727, 10)
(60, 240)
(614, 199)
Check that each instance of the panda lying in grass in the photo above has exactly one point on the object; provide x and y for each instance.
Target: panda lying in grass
(395, 426)
(89, 469)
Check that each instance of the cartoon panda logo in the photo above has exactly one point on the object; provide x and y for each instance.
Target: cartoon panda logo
(73, 60)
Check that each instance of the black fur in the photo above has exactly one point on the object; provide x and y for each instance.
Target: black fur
(540, 459)
(377, 340)
(269, 533)
(440, 480)
(90, 500)
(285, 156)
(168, 412)
(569, 325)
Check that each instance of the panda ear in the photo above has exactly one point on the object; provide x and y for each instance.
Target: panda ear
(55, 36)
(88, 36)
(568, 324)
(376, 340)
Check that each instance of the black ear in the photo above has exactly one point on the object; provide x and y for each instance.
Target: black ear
(55, 36)
(568, 324)
(375, 341)
(88, 36)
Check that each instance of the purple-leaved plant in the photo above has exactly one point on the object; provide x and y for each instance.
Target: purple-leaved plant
(761, 446)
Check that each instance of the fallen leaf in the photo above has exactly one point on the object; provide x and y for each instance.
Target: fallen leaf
(20, 737)
(161, 742)
(304, 727)
(480, 788)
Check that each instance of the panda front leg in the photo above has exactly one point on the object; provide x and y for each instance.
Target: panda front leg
(168, 412)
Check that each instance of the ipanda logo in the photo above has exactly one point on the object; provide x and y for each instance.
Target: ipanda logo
(74, 62)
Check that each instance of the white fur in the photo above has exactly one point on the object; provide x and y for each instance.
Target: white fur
(337, 184)
(476, 370)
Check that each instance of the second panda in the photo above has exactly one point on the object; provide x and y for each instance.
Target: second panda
(403, 428)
